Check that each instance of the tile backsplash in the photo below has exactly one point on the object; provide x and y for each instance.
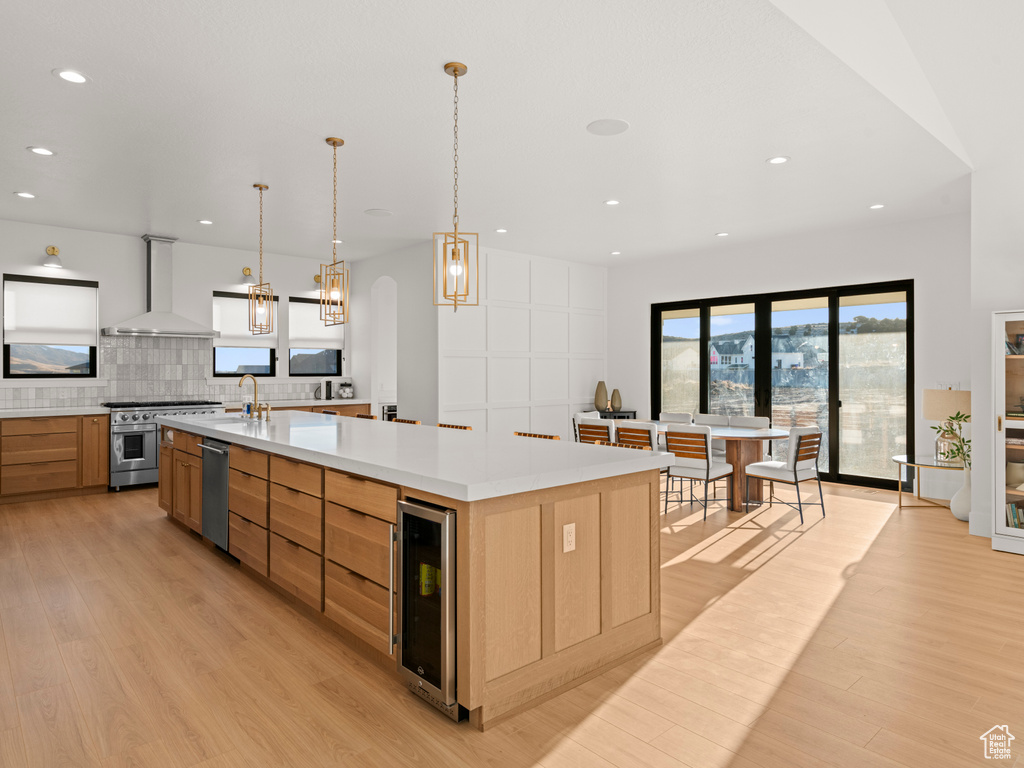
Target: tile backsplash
(150, 368)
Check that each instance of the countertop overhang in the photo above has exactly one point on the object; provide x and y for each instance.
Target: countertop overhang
(458, 464)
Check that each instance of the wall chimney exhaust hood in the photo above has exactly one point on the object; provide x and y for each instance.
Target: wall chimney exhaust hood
(158, 320)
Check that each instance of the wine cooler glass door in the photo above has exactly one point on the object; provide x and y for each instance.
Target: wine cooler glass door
(426, 647)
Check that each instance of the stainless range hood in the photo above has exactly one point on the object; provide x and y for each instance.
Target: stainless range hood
(159, 320)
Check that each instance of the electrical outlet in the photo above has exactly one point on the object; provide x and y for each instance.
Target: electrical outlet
(568, 537)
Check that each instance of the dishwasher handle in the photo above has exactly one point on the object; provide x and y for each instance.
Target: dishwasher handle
(214, 450)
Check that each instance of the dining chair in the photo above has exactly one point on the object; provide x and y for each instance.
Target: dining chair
(800, 466)
(639, 433)
(756, 422)
(679, 417)
(366, 416)
(453, 426)
(331, 413)
(691, 445)
(593, 430)
(713, 420)
(536, 434)
(625, 445)
(405, 421)
(576, 420)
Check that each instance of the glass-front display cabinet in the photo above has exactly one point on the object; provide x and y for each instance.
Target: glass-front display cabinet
(1008, 374)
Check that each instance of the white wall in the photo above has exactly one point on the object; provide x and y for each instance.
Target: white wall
(532, 353)
(384, 353)
(935, 253)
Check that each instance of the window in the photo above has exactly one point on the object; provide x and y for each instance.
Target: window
(237, 351)
(314, 349)
(50, 327)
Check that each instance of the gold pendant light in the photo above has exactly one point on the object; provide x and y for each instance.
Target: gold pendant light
(333, 277)
(261, 297)
(456, 254)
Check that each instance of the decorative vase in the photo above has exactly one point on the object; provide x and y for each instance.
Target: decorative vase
(616, 400)
(600, 396)
(960, 504)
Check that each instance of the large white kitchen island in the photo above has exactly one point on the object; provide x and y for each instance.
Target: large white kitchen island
(312, 498)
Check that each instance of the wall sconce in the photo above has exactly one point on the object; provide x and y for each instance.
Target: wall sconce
(247, 278)
(53, 257)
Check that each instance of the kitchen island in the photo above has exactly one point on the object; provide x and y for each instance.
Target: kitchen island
(313, 498)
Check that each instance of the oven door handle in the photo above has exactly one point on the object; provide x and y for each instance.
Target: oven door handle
(214, 450)
(123, 428)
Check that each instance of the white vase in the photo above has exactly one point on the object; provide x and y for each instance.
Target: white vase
(960, 504)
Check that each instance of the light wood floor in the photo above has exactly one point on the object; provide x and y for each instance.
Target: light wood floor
(871, 638)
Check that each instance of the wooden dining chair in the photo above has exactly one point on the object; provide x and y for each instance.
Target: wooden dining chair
(694, 461)
(537, 434)
(366, 416)
(454, 426)
(638, 433)
(577, 417)
(593, 430)
(331, 413)
(800, 466)
(625, 445)
(405, 421)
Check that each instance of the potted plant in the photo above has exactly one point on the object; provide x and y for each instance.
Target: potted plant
(957, 448)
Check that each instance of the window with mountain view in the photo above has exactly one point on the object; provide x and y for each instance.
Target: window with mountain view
(314, 362)
(314, 348)
(50, 327)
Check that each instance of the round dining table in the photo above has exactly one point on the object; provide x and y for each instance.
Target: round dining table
(743, 446)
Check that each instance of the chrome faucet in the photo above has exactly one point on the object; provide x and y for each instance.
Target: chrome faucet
(254, 414)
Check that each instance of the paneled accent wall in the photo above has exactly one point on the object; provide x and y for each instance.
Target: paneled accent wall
(532, 353)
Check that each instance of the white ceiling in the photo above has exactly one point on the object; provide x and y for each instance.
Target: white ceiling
(192, 102)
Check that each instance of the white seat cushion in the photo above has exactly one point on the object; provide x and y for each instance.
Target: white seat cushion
(777, 470)
(718, 469)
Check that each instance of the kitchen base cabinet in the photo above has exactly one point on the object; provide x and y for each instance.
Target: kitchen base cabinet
(95, 455)
(187, 504)
(249, 543)
(165, 487)
(358, 605)
(343, 410)
(39, 454)
(297, 571)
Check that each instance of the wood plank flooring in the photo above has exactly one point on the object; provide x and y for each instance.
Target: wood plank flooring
(872, 637)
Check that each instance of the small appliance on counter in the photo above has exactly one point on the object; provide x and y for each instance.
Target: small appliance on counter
(388, 411)
(344, 388)
(325, 391)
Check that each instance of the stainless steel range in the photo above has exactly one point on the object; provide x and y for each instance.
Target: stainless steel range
(134, 439)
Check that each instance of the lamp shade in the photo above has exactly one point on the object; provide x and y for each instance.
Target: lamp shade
(940, 404)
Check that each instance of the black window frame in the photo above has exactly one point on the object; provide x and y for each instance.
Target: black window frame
(273, 350)
(340, 352)
(93, 372)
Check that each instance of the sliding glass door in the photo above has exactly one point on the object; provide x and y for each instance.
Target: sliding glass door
(839, 358)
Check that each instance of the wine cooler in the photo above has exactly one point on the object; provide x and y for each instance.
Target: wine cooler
(426, 595)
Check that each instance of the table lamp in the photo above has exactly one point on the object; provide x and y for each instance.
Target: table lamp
(938, 405)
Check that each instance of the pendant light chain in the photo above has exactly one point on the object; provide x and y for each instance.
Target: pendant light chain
(261, 234)
(455, 153)
(334, 240)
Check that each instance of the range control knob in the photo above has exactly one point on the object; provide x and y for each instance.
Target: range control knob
(145, 416)
(124, 417)
(135, 417)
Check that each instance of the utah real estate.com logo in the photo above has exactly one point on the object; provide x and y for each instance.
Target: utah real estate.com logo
(997, 743)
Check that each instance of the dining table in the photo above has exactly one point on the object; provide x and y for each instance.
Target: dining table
(743, 446)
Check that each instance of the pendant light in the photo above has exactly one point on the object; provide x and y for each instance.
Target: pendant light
(261, 297)
(456, 254)
(333, 277)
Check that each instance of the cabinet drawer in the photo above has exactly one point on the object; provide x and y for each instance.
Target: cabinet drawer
(362, 495)
(296, 516)
(188, 443)
(31, 449)
(248, 542)
(46, 476)
(297, 570)
(295, 474)
(39, 426)
(358, 604)
(248, 495)
(359, 542)
(250, 462)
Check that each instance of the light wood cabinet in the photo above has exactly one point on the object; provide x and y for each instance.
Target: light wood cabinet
(343, 410)
(95, 450)
(248, 495)
(250, 462)
(165, 488)
(295, 474)
(296, 516)
(296, 570)
(39, 454)
(187, 504)
(366, 496)
(359, 542)
(357, 604)
(249, 543)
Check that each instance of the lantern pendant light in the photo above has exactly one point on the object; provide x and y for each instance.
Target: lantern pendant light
(261, 297)
(456, 254)
(333, 277)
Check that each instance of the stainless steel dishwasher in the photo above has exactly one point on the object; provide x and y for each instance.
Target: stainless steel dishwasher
(215, 491)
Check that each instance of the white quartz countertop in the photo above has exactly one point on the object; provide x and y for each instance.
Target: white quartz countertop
(274, 403)
(36, 413)
(458, 464)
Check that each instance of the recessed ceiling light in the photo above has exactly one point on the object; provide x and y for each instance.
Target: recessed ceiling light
(608, 127)
(337, 241)
(71, 76)
(876, 206)
(611, 202)
(616, 253)
(721, 234)
(378, 212)
(205, 221)
(29, 195)
(777, 160)
(501, 231)
(40, 151)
